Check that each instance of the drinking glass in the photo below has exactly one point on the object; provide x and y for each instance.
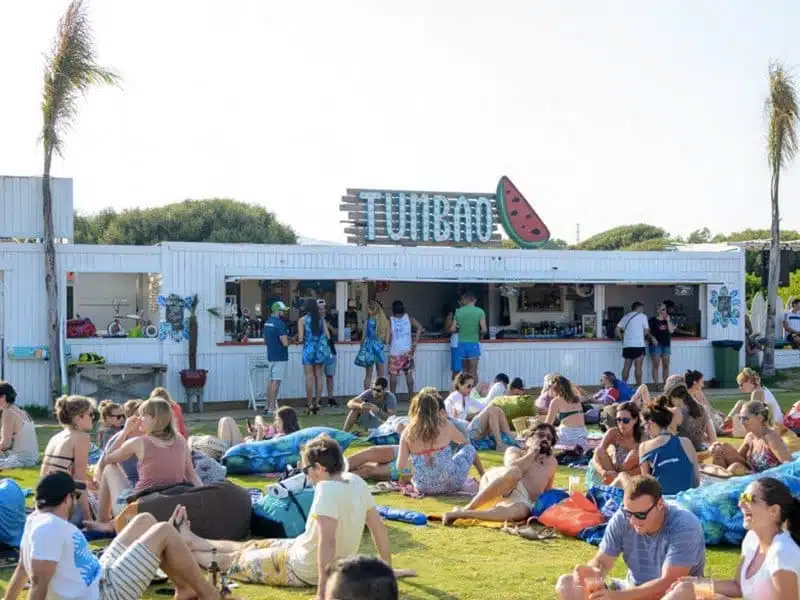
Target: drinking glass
(704, 589)
(592, 585)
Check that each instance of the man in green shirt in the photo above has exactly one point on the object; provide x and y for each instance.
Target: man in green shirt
(470, 323)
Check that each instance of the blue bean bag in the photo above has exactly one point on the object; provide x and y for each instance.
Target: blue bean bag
(716, 505)
(488, 442)
(12, 513)
(273, 456)
(389, 439)
(290, 511)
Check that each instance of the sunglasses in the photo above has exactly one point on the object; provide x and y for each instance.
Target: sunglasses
(469, 386)
(638, 514)
(744, 418)
(378, 391)
(747, 498)
(624, 420)
(117, 416)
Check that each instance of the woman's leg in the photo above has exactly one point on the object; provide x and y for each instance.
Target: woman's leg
(228, 431)
(376, 454)
(642, 396)
(655, 362)
(725, 455)
(665, 365)
(309, 372)
(367, 377)
(318, 384)
(114, 481)
(380, 368)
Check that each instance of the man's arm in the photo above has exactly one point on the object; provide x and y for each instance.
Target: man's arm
(483, 326)
(379, 535)
(419, 330)
(17, 583)
(326, 529)
(786, 324)
(388, 408)
(284, 341)
(656, 588)
(515, 457)
(43, 571)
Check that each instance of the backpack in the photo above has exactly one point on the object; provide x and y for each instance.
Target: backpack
(287, 507)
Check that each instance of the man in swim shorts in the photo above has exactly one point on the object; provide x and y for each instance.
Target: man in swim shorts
(508, 493)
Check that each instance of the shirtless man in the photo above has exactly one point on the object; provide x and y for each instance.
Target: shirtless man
(508, 493)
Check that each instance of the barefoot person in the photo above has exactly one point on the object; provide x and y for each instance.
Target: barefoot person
(659, 543)
(55, 556)
(508, 493)
(341, 507)
(18, 444)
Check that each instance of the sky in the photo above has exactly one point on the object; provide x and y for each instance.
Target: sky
(602, 113)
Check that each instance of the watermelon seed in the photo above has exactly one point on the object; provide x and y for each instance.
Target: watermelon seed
(513, 213)
(529, 216)
(536, 231)
(515, 199)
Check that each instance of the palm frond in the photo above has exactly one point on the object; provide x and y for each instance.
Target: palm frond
(782, 114)
(70, 71)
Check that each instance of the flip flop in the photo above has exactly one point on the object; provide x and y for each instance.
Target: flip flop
(529, 532)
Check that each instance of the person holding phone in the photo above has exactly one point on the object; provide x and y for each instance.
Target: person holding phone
(661, 330)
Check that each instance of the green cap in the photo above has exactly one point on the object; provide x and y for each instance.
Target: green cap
(278, 307)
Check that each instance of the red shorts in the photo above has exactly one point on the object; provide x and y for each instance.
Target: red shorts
(404, 363)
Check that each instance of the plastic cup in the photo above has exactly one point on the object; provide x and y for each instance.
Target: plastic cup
(704, 589)
(574, 483)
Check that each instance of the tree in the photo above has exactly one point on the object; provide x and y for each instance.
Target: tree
(781, 110)
(70, 71)
(216, 220)
(793, 289)
(619, 238)
(699, 236)
(552, 244)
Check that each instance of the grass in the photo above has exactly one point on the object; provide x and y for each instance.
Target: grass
(466, 564)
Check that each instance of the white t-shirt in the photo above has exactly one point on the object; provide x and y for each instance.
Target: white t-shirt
(460, 407)
(401, 336)
(769, 400)
(783, 555)
(792, 320)
(498, 389)
(49, 537)
(348, 502)
(633, 325)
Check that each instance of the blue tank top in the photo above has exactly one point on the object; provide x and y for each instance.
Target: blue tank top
(671, 467)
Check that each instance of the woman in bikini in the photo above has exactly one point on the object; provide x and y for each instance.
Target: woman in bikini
(762, 447)
(566, 408)
(619, 451)
(68, 450)
(695, 422)
(695, 382)
(18, 444)
(750, 383)
(425, 445)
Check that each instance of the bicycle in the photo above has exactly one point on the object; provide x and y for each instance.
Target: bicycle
(115, 328)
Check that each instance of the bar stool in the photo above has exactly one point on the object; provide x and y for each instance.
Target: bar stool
(257, 365)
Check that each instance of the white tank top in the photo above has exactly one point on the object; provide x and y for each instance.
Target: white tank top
(401, 335)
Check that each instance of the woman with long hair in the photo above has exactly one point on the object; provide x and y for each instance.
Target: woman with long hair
(672, 460)
(618, 453)
(312, 333)
(566, 408)
(769, 567)
(695, 422)
(111, 421)
(479, 419)
(68, 450)
(425, 443)
(762, 447)
(542, 403)
(372, 353)
(750, 383)
(695, 383)
(177, 412)
(19, 446)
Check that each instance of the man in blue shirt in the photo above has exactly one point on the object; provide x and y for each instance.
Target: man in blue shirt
(276, 337)
(659, 543)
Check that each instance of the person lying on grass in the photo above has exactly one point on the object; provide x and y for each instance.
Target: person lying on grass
(341, 507)
(770, 563)
(55, 556)
(508, 493)
(659, 543)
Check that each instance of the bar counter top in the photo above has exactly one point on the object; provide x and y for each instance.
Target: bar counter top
(260, 342)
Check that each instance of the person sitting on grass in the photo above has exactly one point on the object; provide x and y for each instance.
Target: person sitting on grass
(762, 447)
(769, 566)
(516, 387)
(509, 492)
(57, 560)
(545, 397)
(696, 423)
(426, 444)
(111, 421)
(481, 421)
(372, 407)
(566, 408)
(659, 543)
(228, 434)
(750, 383)
(177, 412)
(341, 507)
(499, 388)
(361, 578)
(19, 446)
(619, 451)
(670, 459)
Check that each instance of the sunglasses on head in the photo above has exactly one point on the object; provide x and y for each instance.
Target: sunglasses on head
(624, 420)
(638, 514)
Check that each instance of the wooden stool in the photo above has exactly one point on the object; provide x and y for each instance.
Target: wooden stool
(193, 394)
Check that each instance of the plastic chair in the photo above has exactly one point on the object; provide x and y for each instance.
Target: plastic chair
(257, 364)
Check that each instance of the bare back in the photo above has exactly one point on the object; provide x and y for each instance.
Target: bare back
(444, 437)
(60, 452)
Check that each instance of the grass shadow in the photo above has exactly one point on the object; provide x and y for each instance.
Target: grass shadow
(422, 588)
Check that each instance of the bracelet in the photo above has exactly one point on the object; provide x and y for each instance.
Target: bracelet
(404, 472)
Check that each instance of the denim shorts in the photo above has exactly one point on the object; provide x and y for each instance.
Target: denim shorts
(469, 350)
(656, 351)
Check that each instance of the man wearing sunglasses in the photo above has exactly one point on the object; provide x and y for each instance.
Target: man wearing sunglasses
(659, 543)
(372, 407)
(511, 490)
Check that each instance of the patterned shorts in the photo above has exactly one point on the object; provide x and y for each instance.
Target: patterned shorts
(127, 572)
(404, 363)
(266, 561)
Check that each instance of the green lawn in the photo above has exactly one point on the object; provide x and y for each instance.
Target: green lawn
(467, 564)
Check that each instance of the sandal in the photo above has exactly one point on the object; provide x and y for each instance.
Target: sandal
(314, 409)
(530, 532)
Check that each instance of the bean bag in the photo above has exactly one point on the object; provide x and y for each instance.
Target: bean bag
(290, 510)
(716, 505)
(12, 513)
(273, 456)
(388, 439)
(488, 442)
(515, 406)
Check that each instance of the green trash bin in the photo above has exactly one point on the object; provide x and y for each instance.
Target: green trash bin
(726, 362)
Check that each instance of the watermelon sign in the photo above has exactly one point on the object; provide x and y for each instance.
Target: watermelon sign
(411, 218)
(520, 221)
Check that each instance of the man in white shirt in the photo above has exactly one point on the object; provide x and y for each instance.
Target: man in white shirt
(633, 330)
(791, 323)
(56, 558)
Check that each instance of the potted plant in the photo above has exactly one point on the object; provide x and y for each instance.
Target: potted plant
(193, 378)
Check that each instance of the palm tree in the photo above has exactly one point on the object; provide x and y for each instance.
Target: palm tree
(69, 72)
(781, 110)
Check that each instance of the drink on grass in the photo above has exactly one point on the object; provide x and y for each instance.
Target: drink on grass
(704, 589)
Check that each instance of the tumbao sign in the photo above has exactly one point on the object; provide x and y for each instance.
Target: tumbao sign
(442, 218)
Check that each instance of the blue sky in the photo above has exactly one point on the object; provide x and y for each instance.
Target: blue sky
(602, 113)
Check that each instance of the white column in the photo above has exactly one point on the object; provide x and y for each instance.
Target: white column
(599, 307)
(702, 300)
(341, 306)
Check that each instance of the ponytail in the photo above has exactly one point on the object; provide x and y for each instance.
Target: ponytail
(793, 521)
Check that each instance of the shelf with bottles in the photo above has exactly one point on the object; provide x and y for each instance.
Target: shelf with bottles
(551, 330)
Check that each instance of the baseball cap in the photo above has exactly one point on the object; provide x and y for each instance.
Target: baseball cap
(54, 488)
(278, 307)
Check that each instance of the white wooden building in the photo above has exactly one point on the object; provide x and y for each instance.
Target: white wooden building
(418, 274)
